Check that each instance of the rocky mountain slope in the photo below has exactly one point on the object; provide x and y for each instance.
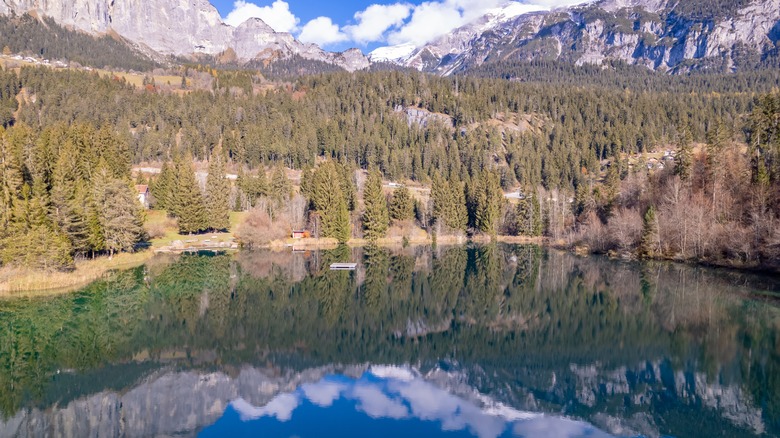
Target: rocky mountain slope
(179, 27)
(663, 35)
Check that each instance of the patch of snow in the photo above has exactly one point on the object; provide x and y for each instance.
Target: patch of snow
(392, 53)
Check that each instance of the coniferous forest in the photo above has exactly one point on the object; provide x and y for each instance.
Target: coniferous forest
(574, 141)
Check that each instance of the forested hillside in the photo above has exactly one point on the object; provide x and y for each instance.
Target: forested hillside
(47, 39)
(356, 117)
(573, 132)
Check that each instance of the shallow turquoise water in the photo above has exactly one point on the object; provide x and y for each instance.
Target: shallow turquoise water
(483, 341)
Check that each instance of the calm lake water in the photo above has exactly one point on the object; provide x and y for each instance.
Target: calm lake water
(485, 341)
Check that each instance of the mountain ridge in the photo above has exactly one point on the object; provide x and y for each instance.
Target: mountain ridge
(180, 28)
(658, 34)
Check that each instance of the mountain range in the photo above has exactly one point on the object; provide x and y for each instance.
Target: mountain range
(662, 35)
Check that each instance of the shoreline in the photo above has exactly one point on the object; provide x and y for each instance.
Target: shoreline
(20, 283)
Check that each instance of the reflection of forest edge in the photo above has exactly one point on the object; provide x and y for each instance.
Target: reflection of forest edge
(513, 315)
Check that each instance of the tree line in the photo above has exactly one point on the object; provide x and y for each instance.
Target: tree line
(66, 193)
(547, 133)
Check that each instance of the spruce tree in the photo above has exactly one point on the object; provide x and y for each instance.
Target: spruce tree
(217, 193)
(163, 187)
(375, 216)
(339, 225)
(402, 205)
(488, 203)
(648, 247)
(345, 172)
(458, 217)
(441, 195)
(33, 240)
(684, 159)
(11, 178)
(280, 185)
(528, 216)
(188, 207)
(121, 215)
(329, 201)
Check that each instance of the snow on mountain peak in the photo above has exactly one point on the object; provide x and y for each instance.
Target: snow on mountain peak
(392, 53)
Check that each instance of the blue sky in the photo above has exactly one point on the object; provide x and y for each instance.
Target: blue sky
(367, 24)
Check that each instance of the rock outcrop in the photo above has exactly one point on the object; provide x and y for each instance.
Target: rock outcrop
(179, 27)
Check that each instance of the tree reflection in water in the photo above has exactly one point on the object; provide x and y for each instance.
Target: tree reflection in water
(645, 347)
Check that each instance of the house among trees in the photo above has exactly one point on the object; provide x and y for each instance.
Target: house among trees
(300, 234)
(143, 194)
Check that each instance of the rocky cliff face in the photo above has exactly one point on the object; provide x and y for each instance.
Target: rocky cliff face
(658, 34)
(178, 27)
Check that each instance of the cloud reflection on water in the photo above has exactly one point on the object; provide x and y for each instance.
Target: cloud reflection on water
(399, 393)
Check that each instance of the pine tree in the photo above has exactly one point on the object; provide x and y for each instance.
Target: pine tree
(329, 201)
(307, 183)
(253, 187)
(70, 196)
(338, 225)
(441, 195)
(188, 206)
(34, 241)
(120, 215)
(11, 177)
(217, 193)
(402, 205)
(375, 216)
(280, 185)
(529, 217)
(347, 185)
(649, 244)
(458, 217)
(489, 200)
(684, 158)
(163, 187)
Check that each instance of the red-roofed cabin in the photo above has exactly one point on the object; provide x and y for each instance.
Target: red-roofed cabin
(300, 234)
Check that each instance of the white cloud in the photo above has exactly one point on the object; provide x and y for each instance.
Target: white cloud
(559, 3)
(432, 19)
(375, 20)
(376, 404)
(323, 393)
(278, 15)
(322, 31)
(281, 407)
(429, 20)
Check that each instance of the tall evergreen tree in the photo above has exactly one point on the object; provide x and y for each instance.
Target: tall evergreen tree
(375, 217)
(331, 204)
(346, 172)
(163, 187)
(189, 208)
(529, 217)
(33, 240)
(402, 205)
(459, 216)
(488, 203)
(280, 185)
(441, 195)
(121, 216)
(338, 223)
(217, 193)
(649, 245)
(684, 158)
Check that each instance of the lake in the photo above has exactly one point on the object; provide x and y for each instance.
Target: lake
(483, 341)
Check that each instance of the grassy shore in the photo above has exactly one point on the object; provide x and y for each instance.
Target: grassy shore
(26, 282)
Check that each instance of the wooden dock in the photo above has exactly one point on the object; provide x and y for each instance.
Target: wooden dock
(343, 266)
